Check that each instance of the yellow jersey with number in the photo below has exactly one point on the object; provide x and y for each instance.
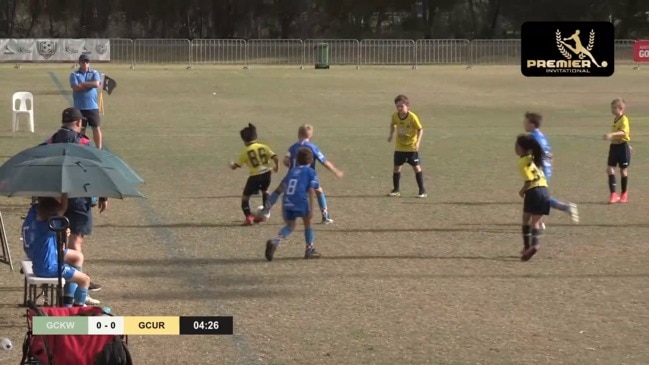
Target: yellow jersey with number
(258, 157)
(621, 124)
(407, 132)
(531, 173)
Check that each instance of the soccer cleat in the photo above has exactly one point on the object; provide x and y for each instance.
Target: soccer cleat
(311, 253)
(326, 219)
(422, 194)
(574, 213)
(542, 226)
(527, 255)
(613, 198)
(624, 198)
(270, 250)
(92, 301)
(249, 220)
(394, 193)
(94, 287)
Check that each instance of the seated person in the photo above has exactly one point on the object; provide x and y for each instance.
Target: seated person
(40, 245)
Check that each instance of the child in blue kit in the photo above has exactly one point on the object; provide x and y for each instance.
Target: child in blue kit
(299, 188)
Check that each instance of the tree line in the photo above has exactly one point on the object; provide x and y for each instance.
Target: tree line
(286, 19)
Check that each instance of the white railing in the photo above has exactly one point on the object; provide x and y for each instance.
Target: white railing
(302, 53)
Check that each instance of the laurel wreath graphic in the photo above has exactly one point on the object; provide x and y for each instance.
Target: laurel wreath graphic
(563, 51)
(591, 43)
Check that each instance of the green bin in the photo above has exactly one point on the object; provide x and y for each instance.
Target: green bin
(322, 56)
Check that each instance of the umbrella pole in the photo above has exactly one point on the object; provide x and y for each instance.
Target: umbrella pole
(60, 226)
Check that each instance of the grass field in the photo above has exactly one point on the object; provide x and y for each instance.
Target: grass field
(402, 280)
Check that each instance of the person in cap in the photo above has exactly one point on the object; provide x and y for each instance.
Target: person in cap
(79, 210)
(86, 86)
(71, 128)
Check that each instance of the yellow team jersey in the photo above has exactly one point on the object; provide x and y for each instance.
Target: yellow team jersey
(407, 130)
(531, 173)
(258, 157)
(621, 124)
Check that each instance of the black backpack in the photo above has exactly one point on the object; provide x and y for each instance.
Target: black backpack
(114, 353)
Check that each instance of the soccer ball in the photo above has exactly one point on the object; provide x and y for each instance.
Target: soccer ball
(259, 213)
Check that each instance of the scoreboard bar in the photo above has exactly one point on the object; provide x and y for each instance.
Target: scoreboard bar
(113, 325)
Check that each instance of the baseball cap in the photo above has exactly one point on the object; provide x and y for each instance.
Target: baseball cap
(84, 57)
(71, 114)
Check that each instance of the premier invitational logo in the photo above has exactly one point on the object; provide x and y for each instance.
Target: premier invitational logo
(567, 49)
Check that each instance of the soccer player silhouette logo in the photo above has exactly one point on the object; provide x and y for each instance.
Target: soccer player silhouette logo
(579, 48)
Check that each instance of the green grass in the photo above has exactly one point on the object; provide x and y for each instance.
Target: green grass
(401, 281)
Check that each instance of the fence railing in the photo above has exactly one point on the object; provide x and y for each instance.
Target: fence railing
(297, 52)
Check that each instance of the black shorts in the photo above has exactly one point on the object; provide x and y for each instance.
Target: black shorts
(401, 157)
(79, 214)
(619, 155)
(94, 120)
(537, 201)
(256, 183)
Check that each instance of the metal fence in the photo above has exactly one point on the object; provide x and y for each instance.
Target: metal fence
(302, 53)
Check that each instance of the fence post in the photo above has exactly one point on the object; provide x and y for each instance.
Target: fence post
(414, 56)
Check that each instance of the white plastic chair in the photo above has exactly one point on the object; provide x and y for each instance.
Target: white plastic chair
(26, 106)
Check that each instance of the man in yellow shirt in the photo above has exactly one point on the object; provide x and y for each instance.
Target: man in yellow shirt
(619, 153)
(258, 157)
(409, 131)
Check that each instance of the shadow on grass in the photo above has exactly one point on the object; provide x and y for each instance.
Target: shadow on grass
(212, 197)
(182, 225)
(202, 293)
(357, 196)
(228, 282)
(480, 229)
(565, 224)
(187, 264)
(478, 204)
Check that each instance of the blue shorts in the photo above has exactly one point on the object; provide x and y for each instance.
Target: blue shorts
(291, 215)
(68, 272)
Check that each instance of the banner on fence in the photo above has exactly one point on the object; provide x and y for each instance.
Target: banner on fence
(641, 51)
(53, 50)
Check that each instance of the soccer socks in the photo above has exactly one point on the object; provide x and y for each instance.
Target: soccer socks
(526, 236)
(283, 233)
(264, 197)
(625, 182)
(80, 296)
(536, 237)
(70, 288)
(245, 206)
(612, 185)
(419, 176)
(322, 202)
(396, 176)
(308, 236)
(555, 204)
(272, 199)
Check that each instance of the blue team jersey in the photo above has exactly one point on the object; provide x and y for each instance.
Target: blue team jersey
(296, 184)
(85, 100)
(39, 243)
(317, 154)
(547, 150)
